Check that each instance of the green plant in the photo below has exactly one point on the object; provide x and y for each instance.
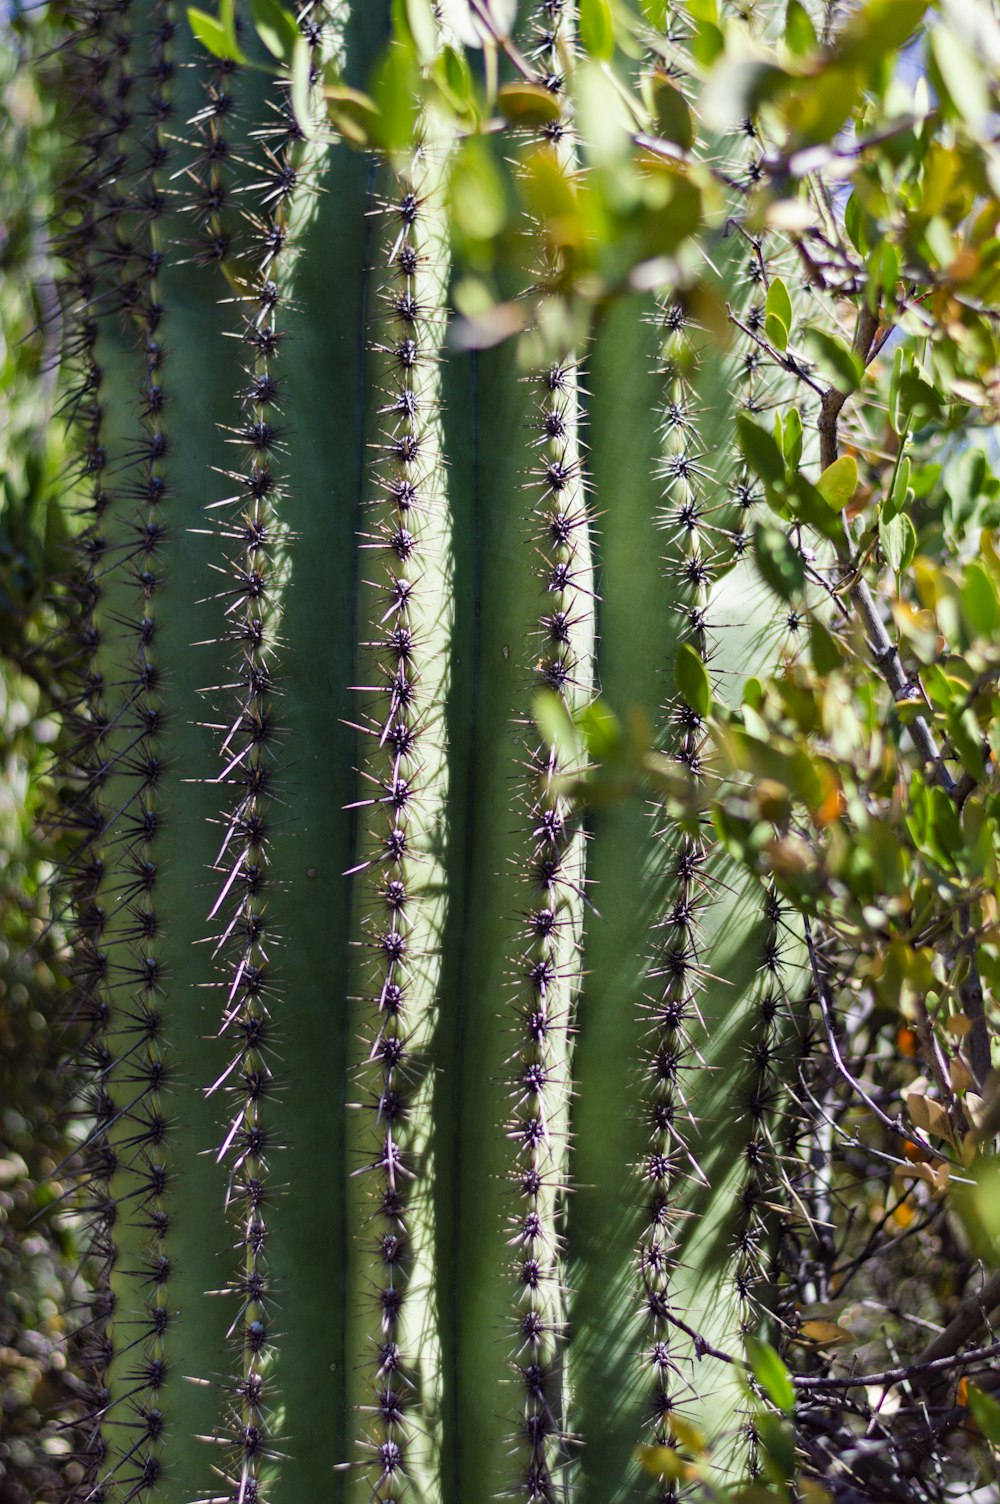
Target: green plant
(472, 1173)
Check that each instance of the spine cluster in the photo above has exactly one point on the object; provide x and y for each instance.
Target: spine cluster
(678, 970)
(546, 968)
(248, 522)
(115, 250)
(407, 773)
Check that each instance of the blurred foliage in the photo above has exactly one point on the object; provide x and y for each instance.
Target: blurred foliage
(40, 1290)
(862, 779)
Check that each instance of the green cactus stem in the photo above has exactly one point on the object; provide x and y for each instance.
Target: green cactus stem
(432, 1118)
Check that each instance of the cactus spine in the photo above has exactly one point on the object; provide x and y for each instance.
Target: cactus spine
(436, 1179)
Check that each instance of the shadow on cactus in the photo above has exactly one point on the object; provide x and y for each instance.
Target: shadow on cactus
(447, 1138)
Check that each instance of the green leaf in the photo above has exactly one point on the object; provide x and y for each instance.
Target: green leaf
(413, 23)
(779, 302)
(962, 77)
(556, 726)
(453, 77)
(604, 121)
(964, 480)
(528, 105)
(597, 32)
(898, 494)
(814, 109)
(736, 88)
(276, 28)
(707, 43)
(986, 1412)
(478, 200)
(692, 679)
(351, 113)
(760, 450)
(807, 504)
(855, 225)
(839, 482)
(603, 733)
(978, 1205)
(877, 29)
(792, 439)
(826, 655)
(771, 1374)
(897, 419)
(979, 601)
(213, 36)
(800, 34)
(302, 86)
(967, 739)
(778, 1446)
(395, 90)
(671, 114)
(778, 561)
(777, 331)
(838, 364)
(884, 268)
(898, 541)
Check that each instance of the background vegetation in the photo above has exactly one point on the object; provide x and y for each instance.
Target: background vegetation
(859, 782)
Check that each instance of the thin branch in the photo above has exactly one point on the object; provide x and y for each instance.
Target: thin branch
(904, 1374)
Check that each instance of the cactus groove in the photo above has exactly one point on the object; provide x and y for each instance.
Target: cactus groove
(432, 1120)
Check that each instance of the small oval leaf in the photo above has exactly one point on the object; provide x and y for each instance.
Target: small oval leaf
(839, 482)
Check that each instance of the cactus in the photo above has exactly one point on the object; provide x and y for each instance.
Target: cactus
(445, 1177)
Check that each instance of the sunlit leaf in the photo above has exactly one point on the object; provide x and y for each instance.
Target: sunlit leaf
(692, 679)
(898, 541)
(824, 1333)
(986, 1412)
(839, 482)
(800, 34)
(556, 725)
(351, 113)
(276, 27)
(770, 1373)
(214, 36)
(597, 32)
(528, 105)
(302, 86)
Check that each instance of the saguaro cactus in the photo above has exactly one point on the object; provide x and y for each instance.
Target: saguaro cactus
(431, 1115)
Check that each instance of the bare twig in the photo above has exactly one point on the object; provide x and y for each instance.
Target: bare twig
(904, 1374)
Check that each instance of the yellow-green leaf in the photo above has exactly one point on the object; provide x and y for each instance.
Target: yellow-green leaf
(692, 679)
(825, 1333)
(528, 105)
(597, 32)
(770, 1373)
(213, 36)
(839, 482)
(276, 28)
(351, 113)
